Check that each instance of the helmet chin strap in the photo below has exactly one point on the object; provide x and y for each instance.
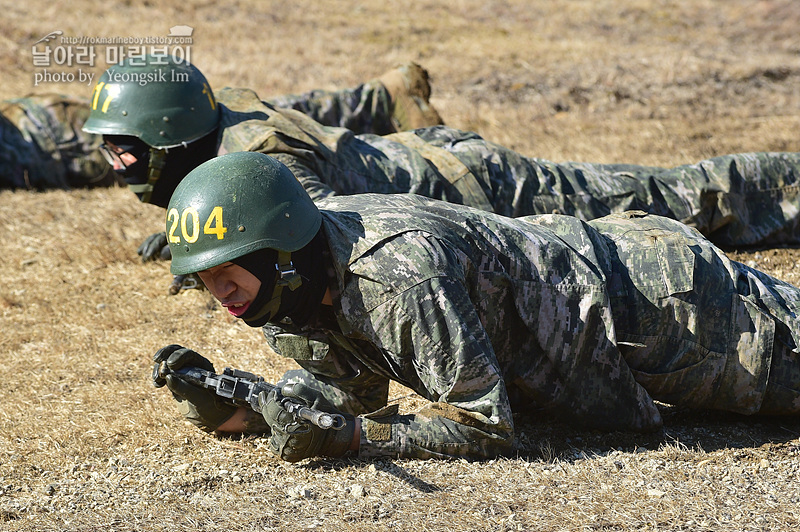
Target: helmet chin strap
(287, 278)
(156, 163)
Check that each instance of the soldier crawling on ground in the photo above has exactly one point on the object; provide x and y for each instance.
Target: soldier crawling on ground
(480, 314)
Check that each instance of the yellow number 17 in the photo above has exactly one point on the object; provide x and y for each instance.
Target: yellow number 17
(111, 91)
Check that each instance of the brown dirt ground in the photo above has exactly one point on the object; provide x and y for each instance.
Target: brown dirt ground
(86, 443)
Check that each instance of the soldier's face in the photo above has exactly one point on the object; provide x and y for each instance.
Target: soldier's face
(232, 285)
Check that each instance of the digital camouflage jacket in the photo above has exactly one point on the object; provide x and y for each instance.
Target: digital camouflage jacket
(483, 315)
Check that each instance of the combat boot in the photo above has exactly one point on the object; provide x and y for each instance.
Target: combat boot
(409, 90)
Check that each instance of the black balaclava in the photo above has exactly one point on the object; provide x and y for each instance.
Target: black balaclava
(300, 304)
(178, 162)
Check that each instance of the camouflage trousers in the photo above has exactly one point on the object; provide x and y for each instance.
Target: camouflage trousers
(362, 109)
(734, 200)
(42, 145)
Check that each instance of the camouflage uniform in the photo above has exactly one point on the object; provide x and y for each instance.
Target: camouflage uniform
(366, 108)
(42, 145)
(743, 199)
(482, 315)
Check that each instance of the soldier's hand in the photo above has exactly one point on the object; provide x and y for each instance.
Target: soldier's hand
(188, 281)
(294, 440)
(155, 247)
(200, 406)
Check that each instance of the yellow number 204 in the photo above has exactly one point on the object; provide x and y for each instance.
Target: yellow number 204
(189, 222)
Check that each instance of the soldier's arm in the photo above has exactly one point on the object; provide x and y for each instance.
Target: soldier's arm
(433, 342)
(413, 304)
(469, 414)
(452, 364)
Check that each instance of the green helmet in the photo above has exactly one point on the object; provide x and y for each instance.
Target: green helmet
(236, 204)
(158, 99)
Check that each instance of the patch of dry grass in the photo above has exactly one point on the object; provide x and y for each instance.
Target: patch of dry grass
(85, 441)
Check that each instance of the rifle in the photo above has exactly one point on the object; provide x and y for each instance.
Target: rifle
(242, 388)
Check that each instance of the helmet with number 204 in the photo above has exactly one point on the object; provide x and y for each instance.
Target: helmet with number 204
(158, 99)
(236, 204)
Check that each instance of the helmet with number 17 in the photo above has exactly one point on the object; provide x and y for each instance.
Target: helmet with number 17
(158, 99)
(236, 204)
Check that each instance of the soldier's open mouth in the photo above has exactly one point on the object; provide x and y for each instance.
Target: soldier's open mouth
(237, 309)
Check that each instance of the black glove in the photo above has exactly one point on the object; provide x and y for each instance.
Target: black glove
(294, 440)
(155, 247)
(202, 407)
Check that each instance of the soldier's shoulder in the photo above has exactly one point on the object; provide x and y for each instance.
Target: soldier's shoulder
(235, 97)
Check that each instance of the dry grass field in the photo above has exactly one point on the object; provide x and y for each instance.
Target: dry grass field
(86, 443)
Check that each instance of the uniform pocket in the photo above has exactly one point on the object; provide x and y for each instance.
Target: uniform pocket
(672, 370)
(682, 372)
(659, 263)
(299, 347)
(655, 257)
